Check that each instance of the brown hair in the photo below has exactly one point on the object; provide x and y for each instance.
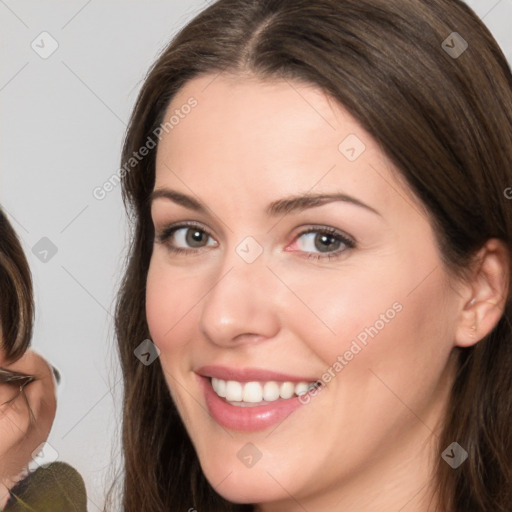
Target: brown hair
(446, 124)
(16, 305)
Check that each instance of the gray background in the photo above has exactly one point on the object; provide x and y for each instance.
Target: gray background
(63, 120)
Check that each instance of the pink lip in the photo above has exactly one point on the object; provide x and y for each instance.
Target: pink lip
(246, 419)
(249, 374)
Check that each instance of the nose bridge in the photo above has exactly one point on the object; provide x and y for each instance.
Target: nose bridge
(240, 301)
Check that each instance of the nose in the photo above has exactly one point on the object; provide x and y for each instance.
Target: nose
(242, 306)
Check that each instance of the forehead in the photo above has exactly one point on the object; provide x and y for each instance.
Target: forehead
(254, 115)
(284, 136)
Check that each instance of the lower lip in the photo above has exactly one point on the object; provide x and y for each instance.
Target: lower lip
(247, 419)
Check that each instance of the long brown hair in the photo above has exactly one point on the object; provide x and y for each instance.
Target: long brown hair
(444, 120)
(16, 306)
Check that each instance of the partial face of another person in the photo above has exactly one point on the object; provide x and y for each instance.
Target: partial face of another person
(248, 288)
(23, 430)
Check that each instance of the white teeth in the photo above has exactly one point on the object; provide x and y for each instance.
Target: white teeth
(270, 391)
(252, 392)
(301, 388)
(233, 391)
(219, 386)
(256, 392)
(287, 389)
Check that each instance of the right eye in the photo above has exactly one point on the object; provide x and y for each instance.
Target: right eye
(184, 238)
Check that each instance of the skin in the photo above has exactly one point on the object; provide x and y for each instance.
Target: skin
(19, 436)
(366, 442)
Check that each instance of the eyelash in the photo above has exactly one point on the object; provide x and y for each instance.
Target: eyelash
(167, 233)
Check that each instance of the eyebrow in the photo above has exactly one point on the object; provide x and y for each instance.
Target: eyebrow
(284, 206)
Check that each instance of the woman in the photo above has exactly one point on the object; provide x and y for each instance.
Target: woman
(27, 382)
(318, 287)
(27, 398)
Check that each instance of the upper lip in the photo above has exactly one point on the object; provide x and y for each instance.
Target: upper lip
(249, 374)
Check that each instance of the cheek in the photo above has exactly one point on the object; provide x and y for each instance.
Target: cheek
(405, 344)
(163, 309)
(342, 310)
(171, 298)
(377, 316)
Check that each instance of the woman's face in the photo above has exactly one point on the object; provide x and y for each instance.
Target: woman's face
(361, 302)
(20, 434)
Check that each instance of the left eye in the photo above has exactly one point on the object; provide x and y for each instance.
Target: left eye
(324, 241)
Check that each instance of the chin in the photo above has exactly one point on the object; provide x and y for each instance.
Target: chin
(243, 485)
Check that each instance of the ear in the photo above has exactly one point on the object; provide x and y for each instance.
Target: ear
(485, 294)
(20, 432)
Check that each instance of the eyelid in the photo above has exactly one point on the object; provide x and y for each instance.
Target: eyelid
(327, 229)
(185, 223)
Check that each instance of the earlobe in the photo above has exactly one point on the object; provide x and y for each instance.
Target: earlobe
(489, 288)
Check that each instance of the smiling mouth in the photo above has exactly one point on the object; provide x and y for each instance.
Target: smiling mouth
(253, 399)
(258, 393)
